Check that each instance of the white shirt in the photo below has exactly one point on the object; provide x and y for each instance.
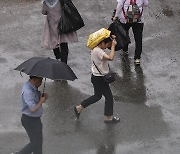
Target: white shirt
(126, 3)
(97, 56)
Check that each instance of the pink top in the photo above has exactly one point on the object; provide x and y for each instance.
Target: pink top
(97, 56)
(50, 36)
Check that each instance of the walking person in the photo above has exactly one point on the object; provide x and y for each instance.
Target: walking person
(32, 111)
(51, 39)
(137, 26)
(100, 58)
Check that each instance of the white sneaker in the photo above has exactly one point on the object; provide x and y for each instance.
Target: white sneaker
(137, 61)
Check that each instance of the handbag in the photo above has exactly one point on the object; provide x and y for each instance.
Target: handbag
(70, 19)
(108, 78)
(96, 37)
(122, 36)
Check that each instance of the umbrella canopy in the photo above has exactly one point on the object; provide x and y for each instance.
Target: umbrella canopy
(47, 68)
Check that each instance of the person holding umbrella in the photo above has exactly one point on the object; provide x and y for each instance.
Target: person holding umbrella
(100, 58)
(51, 39)
(32, 111)
(38, 68)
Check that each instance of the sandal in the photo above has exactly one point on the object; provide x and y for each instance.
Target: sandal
(114, 120)
(76, 112)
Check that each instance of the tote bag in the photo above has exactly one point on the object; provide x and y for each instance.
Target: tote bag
(122, 37)
(70, 19)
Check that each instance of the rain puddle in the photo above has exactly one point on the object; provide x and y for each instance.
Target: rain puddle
(167, 12)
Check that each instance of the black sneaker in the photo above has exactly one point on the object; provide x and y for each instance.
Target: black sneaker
(126, 53)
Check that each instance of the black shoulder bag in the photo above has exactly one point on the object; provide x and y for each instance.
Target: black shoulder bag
(70, 19)
(108, 78)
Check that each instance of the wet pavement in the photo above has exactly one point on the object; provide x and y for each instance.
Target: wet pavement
(146, 97)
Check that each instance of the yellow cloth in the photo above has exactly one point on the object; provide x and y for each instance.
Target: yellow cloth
(98, 36)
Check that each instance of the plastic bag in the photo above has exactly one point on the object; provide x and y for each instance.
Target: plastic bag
(70, 19)
(96, 37)
(122, 37)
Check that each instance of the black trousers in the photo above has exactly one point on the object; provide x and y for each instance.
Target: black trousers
(62, 52)
(33, 127)
(100, 88)
(137, 29)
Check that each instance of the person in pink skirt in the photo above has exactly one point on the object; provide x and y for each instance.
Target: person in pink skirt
(51, 39)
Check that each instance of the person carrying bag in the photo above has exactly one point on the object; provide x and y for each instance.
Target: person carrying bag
(98, 42)
(130, 13)
(52, 38)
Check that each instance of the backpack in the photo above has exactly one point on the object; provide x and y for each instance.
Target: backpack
(133, 13)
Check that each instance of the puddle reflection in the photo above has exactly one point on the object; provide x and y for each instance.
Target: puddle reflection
(108, 146)
(130, 87)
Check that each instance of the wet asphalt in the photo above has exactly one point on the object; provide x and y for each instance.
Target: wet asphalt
(146, 97)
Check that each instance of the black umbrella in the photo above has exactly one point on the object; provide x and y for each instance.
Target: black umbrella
(47, 68)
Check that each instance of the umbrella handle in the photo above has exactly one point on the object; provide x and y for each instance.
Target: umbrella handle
(21, 72)
(44, 87)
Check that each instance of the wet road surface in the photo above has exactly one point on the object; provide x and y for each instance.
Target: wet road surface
(146, 97)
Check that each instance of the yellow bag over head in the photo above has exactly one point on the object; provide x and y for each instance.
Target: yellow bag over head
(98, 36)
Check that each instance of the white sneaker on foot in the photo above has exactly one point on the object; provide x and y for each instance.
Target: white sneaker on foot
(137, 61)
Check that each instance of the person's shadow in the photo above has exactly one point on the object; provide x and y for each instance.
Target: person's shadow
(104, 139)
(139, 120)
(130, 87)
(108, 144)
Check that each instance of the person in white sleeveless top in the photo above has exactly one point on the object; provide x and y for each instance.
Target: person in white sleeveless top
(137, 27)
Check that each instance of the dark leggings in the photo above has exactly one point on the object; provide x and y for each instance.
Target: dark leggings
(100, 88)
(62, 52)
